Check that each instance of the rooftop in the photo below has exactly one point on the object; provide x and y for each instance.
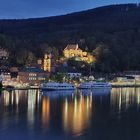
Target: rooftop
(31, 69)
(72, 46)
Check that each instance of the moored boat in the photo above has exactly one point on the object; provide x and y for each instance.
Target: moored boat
(95, 85)
(101, 85)
(86, 85)
(57, 86)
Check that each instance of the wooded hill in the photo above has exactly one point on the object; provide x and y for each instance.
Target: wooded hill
(111, 33)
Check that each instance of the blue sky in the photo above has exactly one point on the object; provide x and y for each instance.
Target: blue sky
(43, 8)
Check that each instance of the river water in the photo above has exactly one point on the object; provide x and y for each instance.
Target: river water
(76, 115)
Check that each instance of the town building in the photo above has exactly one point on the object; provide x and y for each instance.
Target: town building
(36, 65)
(4, 69)
(39, 61)
(74, 74)
(135, 74)
(124, 79)
(5, 74)
(6, 78)
(32, 75)
(14, 72)
(49, 63)
(73, 50)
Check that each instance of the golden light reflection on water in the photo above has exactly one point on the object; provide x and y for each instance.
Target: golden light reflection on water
(125, 97)
(45, 111)
(76, 109)
(77, 113)
(13, 98)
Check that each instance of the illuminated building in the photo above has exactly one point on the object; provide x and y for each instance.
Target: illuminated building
(49, 63)
(32, 75)
(73, 50)
(39, 61)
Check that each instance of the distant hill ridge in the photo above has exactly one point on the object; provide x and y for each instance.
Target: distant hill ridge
(102, 18)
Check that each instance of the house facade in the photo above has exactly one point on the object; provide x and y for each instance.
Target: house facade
(73, 50)
(32, 75)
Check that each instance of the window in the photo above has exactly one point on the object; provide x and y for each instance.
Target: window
(32, 74)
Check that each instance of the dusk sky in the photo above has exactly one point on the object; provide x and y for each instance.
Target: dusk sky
(44, 8)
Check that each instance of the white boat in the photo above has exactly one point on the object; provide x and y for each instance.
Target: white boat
(101, 85)
(95, 85)
(86, 85)
(57, 86)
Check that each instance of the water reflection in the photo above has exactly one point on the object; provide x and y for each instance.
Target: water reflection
(14, 98)
(17, 104)
(95, 91)
(68, 113)
(101, 91)
(123, 98)
(76, 109)
(33, 100)
(45, 112)
(85, 91)
(57, 94)
(73, 110)
(77, 113)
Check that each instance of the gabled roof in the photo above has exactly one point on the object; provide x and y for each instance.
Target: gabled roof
(72, 46)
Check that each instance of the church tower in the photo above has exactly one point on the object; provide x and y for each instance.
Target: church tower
(49, 63)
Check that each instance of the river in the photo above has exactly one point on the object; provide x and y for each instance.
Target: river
(76, 115)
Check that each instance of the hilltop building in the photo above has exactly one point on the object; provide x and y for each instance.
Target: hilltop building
(73, 50)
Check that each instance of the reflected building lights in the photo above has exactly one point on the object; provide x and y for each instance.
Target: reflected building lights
(11, 98)
(12, 101)
(76, 115)
(31, 107)
(45, 111)
(123, 98)
(6, 98)
(16, 102)
(138, 96)
(17, 97)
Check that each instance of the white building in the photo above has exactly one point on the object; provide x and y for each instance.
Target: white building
(74, 75)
